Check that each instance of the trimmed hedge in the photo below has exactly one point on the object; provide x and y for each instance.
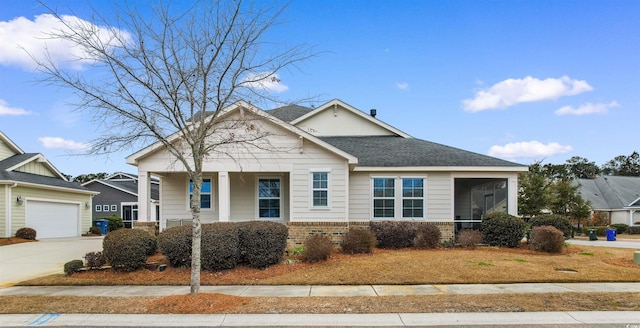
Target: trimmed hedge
(219, 246)
(26, 233)
(558, 221)
(358, 241)
(317, 248)
(620, 227)
(95, 260)
(72, 267)
(175, 244)
(601, 231)
(115, 222)
(427, 236)
(393, 234)
(546, 239)
(127, 249)
(634, 230)
(262, 243)
(502, 230)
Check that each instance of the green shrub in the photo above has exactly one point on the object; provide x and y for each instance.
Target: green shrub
(115, 222)
(26, 233)
(393, 234)
(317, 248)
(620, 227)
(358, 241)
(127, 249)
(175, 244)
(601, 231)
(469, 238)
(95, 260)
(546, 239)
(634, 230)
(558, 221)
(72, 267)
(262, 243)
(427, 236)
(219, 246)
(95, 230)
(502, 229)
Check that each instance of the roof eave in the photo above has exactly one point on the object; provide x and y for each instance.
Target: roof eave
(48, 187)
(442, 168)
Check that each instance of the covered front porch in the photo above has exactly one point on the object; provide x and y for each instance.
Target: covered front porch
(476, 197)
(225, 197)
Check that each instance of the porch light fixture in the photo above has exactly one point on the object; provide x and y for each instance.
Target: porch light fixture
(86, 205)
(19, 199)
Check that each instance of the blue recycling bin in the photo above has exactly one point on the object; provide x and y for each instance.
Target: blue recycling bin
(611, 234)
(102, 224)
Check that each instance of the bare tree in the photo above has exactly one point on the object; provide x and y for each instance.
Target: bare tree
(166, 77)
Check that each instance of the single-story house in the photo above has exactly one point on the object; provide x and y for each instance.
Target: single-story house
(119, 196)
(34, 194)
(327, 169)
(618, 196)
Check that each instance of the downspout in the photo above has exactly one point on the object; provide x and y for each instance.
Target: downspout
(8, 198)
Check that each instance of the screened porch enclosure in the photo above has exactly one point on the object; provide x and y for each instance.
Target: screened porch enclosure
(477, 197)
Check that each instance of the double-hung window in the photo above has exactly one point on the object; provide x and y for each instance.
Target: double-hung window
(383, 197)
(205, 193)
(269, 198)
(412, 198)
(320, 189)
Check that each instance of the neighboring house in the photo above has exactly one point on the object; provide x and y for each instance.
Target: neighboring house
(618, 196)
(330, 168)
(34, 194)
(119, 196)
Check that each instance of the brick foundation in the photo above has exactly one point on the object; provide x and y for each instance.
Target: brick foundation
(149, 227)
(299, 231)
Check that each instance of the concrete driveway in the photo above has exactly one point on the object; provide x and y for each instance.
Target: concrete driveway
(25, 261)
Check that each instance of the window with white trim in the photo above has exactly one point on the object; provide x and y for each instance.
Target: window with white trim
(114, 208)
(98, 208)
(269, 198)
(383, 197)
(205, 193)
(320, 189)
(412, 197)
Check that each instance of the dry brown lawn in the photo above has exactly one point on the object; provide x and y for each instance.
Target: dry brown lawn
(441, 266)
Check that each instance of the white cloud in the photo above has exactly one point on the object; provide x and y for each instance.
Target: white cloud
(586, 109)
(403, 86)
(528, 149)
(514, 91)
(60, 143)
(6, 110)
(21, 39)
(266, 81)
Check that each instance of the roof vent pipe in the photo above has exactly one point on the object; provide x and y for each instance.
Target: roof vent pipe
(373, 112)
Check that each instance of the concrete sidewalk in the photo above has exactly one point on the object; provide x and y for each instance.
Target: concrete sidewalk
(327, 291)
(567, 319)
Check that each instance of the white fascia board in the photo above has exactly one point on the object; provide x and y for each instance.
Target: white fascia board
(355, 111)
(631, 204)
(441, 168)
(41, 159)
(41, 186)
(133, 158)
(10, 143)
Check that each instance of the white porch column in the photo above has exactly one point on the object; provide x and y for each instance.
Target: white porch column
(224, 197)
(144, 197)
(631, 217)
(512, 196)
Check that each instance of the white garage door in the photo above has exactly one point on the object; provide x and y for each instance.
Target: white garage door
(52, 220)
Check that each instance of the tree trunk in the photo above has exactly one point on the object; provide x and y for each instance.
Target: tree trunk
(197, 235)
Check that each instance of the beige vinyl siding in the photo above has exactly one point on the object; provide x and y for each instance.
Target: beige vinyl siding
(175, 198)
(4, 192)
(243, 196)
(341, 122)
(5, 151)
(438, 193)
(35, 167)
(18, 210)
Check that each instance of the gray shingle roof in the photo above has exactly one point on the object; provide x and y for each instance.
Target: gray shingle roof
(32, 178)
(610, 192)
(389, 151)
(132, 187)
(290, 112)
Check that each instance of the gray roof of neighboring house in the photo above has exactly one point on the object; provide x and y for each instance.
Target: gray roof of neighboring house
(389, 151)
(15, 159)
(290, 112)
(37, 179)
(131, 186)
(610, 192)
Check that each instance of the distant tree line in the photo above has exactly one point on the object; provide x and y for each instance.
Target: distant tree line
(82, 178)
(581, 168)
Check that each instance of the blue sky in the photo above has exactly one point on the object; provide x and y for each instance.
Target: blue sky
(519, 80)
